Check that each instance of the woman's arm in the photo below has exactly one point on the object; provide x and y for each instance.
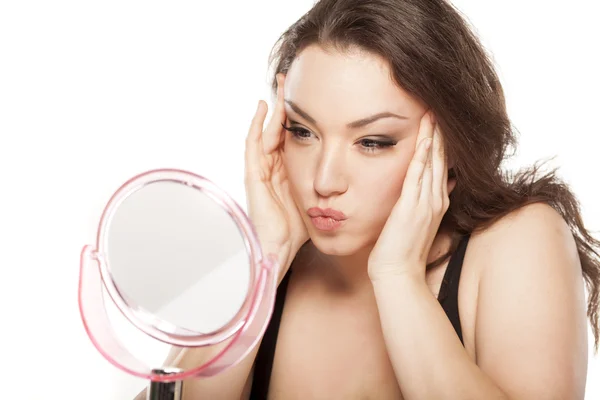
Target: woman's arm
(531, 327)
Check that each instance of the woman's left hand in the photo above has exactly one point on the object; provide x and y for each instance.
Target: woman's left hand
(405, 241)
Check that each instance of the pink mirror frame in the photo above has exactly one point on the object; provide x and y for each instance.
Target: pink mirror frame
(245, 328)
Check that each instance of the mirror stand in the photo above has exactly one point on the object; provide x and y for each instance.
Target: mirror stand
(165, 390)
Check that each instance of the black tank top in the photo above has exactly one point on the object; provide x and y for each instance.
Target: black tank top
(448, 298)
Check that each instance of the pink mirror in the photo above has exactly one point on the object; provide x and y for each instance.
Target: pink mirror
(176, 263)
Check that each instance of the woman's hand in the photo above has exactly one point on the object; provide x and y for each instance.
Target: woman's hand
(406, 238)
(271, 207)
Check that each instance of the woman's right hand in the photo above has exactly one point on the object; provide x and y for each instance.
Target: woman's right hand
(271, 208)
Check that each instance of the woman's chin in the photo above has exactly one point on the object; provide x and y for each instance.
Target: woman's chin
(335, 245)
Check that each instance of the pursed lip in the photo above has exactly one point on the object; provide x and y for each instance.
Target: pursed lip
(327, 212)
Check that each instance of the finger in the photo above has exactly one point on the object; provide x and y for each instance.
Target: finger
(438, 185)
(427, 177)
(413, 180)
(253, 152)
(272, 135)
(425, 132)
(411, 188)
(445, 182)
(425, 127)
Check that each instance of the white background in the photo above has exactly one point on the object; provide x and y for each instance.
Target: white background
(92, 93)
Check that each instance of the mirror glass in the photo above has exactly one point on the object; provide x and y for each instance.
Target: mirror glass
(173, 252)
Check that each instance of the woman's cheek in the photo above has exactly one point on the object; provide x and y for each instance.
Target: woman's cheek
(298, 174)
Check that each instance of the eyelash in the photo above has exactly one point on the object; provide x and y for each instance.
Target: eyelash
(378, 144)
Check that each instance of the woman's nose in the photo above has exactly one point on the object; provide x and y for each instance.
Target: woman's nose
(330, 178)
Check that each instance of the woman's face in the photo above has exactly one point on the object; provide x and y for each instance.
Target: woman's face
(359, 168)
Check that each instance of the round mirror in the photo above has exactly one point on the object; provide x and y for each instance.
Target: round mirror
(173, 252)
(176, 264)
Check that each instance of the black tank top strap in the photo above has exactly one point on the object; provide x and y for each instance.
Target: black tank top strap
(448, 295)
(263, 363)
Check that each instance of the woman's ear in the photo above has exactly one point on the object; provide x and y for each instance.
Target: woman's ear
(451, 180)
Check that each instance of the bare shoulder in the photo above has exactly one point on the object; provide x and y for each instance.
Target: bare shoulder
(526, 236)
(535, 225)
(530, 325)
(529, 243)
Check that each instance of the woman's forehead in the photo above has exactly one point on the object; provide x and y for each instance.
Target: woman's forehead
(352, 84)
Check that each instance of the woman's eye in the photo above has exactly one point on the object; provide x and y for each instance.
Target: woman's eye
(371, 145)
(367, 145)
(299, 133)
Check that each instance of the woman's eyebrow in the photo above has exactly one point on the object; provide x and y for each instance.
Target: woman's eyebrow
(352, 125)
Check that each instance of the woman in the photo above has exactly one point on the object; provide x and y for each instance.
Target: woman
(411, 265)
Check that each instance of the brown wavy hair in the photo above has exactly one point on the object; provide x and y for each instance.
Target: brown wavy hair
(434, 56)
